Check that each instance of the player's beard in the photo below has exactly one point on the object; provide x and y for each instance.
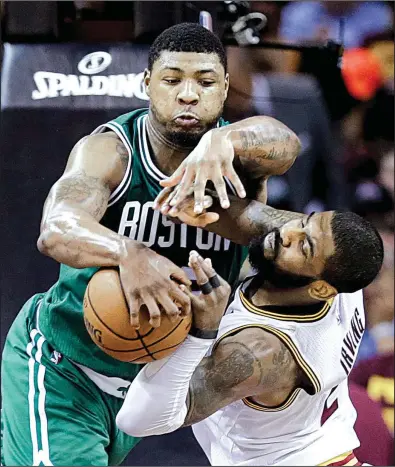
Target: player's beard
(180, 136)
(267, 269)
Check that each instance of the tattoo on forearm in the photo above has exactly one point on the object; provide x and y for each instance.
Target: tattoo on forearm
(262, 218)
(253, 140)
(267, 143)
(268, 139)
(83, 188)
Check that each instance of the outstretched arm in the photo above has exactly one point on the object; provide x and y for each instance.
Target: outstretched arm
(260, 146)
(242, 221)
(246, 219)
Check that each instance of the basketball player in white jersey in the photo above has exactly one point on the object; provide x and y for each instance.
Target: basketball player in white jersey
(267, 383)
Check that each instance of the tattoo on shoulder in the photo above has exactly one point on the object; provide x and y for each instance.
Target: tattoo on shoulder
(83, 188)
(123, 153)
(282, 363)
(215, 380)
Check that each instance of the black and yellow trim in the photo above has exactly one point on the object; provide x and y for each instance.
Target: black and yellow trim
(264, 408)
(286, 317)
(315, 382)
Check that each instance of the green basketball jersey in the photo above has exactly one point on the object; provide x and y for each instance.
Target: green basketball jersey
(129, 213)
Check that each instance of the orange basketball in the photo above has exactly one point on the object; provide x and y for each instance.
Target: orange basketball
(106, 317)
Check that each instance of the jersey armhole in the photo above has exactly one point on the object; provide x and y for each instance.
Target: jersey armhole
(120, 190)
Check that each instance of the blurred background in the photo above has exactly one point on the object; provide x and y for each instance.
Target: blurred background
(325, 69)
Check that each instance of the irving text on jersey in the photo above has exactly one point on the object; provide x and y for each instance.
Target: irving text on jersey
(351, 342)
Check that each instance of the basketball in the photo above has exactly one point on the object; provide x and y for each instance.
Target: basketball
(106, 316)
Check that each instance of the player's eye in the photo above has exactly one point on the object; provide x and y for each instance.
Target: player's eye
(171, 80)
(207, 83)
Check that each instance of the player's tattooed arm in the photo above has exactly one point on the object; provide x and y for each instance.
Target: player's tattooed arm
(258, 219)
(242, 221)
(253, 362)
(256, 147)
(70, 231)
(246, 219)
(263, 145)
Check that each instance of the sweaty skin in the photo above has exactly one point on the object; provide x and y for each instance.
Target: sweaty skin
(71, 233)
(180, 85)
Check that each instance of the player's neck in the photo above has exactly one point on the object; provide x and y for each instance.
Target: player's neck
(282, 297)
(168, 156)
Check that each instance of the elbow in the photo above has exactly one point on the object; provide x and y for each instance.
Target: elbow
(137, 422)
(295, 148)
(125, 424)
(51, 237)
(290, 154)
(135, 426)
(46, 241)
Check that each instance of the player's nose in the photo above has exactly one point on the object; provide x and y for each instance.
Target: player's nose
(188, 94)
(289, 236)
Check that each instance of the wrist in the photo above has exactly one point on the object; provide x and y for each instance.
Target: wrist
(222, 134)
(127, 246)
(199, 333)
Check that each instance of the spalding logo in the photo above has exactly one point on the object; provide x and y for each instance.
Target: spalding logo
(94, 63)
(50, 84)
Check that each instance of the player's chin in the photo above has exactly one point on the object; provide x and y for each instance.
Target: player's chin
(185, 137)
(187, 127)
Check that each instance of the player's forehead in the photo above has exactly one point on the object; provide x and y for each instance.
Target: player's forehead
(188, 62)
(321, 232)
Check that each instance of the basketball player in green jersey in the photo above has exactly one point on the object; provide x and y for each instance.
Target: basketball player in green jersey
(60, 392)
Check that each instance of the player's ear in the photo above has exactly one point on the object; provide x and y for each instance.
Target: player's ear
(147, 80)
(321, 290)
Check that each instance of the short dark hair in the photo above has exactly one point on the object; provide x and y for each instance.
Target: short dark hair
(187, 37)
(358, 254)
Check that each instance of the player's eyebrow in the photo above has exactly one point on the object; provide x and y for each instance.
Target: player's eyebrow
(172, 68)
(209, 70)
(309, 239)
(309, 217)
(198, 72)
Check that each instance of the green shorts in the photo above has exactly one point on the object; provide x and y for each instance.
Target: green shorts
(52, 413)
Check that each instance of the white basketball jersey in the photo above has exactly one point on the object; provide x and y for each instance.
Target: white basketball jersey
(307, 429)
